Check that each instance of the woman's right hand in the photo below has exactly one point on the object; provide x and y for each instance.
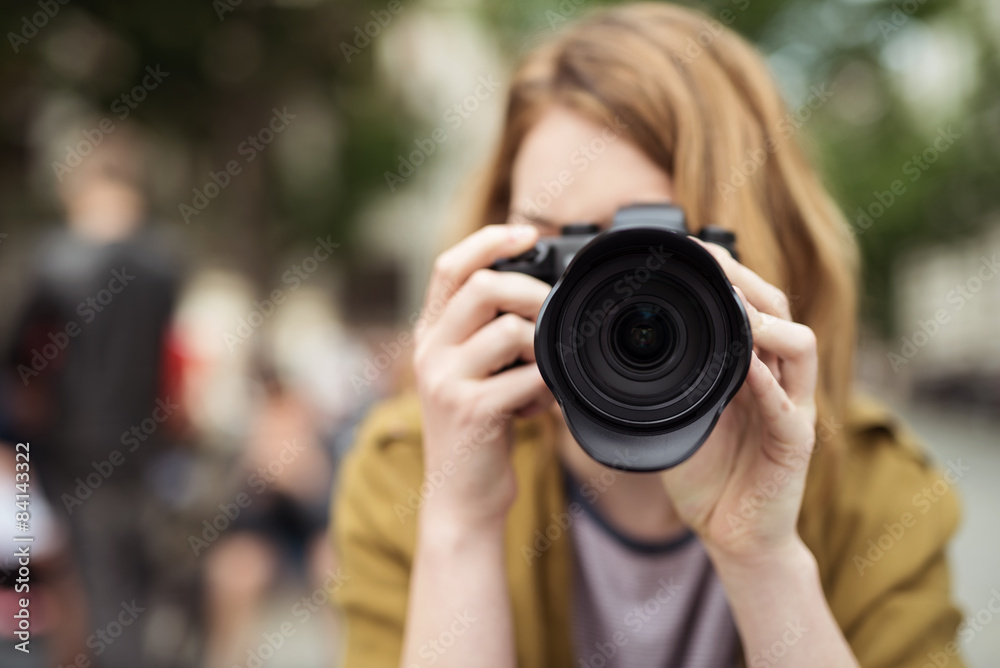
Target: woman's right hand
(466, 405)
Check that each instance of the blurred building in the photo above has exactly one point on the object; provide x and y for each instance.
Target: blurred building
(948, 312)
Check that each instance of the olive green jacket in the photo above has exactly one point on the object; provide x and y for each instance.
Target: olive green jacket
(872, 515)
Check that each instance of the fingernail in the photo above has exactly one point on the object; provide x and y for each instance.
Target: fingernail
(743, 298)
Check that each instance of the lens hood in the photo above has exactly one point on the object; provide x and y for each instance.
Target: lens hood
(643, 341)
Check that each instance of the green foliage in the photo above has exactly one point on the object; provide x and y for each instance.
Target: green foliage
(230, 64)
(827, 40)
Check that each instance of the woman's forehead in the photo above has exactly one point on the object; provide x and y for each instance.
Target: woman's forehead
(571, 169)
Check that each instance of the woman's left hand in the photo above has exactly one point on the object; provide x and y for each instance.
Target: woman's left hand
(741, 491)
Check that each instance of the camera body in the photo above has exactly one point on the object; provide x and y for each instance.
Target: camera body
(550, 257)
(642, 340)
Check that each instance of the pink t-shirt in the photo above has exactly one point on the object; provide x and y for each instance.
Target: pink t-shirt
(643, 605)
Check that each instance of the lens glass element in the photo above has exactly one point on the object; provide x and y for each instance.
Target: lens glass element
(642, 336)
(643, 341)
(641, 344)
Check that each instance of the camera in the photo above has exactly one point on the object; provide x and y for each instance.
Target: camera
(642, 340)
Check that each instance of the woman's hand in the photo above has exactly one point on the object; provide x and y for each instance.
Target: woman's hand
(466, 405)
(478, 322)
(742, 490)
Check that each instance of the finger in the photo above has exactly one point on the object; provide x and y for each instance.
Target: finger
(539, 405)
(766, 356)
(794, 347)
(497, 344)
(761, 294)
(788, 430)
(480, 249)
(483, 297)
(516, 389)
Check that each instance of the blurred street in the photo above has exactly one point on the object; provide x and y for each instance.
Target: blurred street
(218, 221)
(975, 552)
(308, 646)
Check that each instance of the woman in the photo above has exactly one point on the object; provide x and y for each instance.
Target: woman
(474, 531)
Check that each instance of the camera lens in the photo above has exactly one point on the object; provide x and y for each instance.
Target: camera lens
(643, 341)
(643, 350)
(645, 336)
(642, 336)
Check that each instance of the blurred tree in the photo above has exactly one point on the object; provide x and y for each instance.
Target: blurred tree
(227, 65)
(900, 72)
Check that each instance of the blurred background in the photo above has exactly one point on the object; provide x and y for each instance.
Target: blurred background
(231, 206)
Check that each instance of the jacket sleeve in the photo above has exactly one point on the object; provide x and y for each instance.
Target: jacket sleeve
(374, 533)
(889, 584)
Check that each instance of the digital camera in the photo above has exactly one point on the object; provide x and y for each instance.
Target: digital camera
(642, 340)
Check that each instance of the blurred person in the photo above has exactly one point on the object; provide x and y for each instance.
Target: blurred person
(330, 365)
(86, 366)
(216, 392)
(286, 473)
(55, 610)
(511, 550)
